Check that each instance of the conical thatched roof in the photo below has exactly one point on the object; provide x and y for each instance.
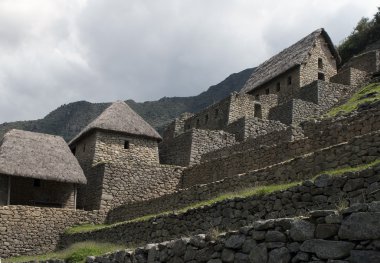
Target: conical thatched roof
(288, 58)
(119, 117)
(39, 156)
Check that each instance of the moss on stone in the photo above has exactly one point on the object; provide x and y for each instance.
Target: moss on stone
(368, 94)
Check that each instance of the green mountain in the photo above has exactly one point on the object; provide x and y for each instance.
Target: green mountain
(69, 119)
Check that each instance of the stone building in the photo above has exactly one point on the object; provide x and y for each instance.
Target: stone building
(118, 152)
(39, 170)
(312, 58)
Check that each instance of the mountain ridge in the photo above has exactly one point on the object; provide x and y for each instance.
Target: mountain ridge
(69, 119)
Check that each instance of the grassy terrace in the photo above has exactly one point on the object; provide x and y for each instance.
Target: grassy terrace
(78, 252)
(248, 192)
(75, 253)
(368, 94)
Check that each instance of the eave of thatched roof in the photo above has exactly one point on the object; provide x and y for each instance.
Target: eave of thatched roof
(39, 156)
(287, 59)
(119, 117)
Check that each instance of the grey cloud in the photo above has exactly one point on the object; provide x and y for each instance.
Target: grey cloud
(102, 50)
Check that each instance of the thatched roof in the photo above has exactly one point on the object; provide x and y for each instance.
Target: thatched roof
(287, 59)
(39, 156)
(119, 117)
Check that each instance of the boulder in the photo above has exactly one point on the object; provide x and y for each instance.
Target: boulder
(361, 226)
(326, 249)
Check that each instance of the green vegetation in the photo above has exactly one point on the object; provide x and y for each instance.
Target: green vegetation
(341, 171)
(365, 33)
(75, 253)
(368, 94)
(259, 190)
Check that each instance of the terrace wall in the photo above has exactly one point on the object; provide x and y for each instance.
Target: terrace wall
(360, 150)
(325, 193)
(28, 230)
(324, 235)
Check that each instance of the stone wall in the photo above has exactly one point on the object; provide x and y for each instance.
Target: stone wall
(214, 117)
(285, 90)
(27, 230)
(349, 235)
(243, 162)
(368, 62)
(110, 148)
(176, 127)
(362, 149)
(268, 139)
(312, 67)
(250, 127)
(187, 148)
(219, 115)
(47, 193)
(134, 182)
(325, 94)
(294, 111)
(325, 193)
(350, 76)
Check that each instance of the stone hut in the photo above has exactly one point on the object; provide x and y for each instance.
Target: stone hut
(312, 58)
(39, 170)
(118, 136)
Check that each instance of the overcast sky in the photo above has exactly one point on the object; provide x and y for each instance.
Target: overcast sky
(54, 52)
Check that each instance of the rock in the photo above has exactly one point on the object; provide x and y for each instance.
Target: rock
(365, 256)
(334, 219)
(235, 241)
(279, 255)
(326, 249)
(358, 207)
(301, 230)
(228, 255)
(325, 231)
(248, 245)
(214, 261)
(374, 206)
(353, 184)
(323, 180)
(275, 236)
(259, 254)
(241, 258)
(301, 256)
(359, 226)
(258, 235)
(321, 213)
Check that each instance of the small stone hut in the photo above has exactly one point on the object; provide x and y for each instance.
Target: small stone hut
(118, 135)
(39, 170)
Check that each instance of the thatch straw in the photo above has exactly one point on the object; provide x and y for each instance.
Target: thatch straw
(287, 59)
(39, 156)
(119, 117)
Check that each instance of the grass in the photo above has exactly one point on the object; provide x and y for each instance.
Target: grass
(75, 253)
(340, 171)
(258, 190)
(368, 94)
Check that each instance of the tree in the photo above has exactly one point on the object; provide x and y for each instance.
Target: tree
(366, 32)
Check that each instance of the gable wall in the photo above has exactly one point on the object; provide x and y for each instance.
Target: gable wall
(309, 71)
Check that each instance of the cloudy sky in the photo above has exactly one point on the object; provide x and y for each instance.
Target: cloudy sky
(56, 52)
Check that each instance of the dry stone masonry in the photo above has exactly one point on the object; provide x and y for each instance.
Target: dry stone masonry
(350, 235)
